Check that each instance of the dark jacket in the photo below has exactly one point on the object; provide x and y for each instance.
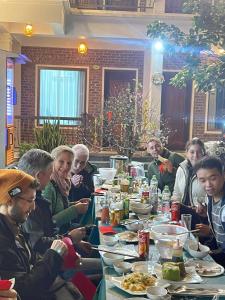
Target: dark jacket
(31, 283)
(39, 225)
(165, 178)
(87, 187)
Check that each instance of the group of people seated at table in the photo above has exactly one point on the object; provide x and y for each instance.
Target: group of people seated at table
(198, 184)
(44, 200)
(36, 216)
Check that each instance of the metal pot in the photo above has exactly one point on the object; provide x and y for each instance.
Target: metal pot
(119, 162)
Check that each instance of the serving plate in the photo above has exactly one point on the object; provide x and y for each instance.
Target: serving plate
(206, 268)
(120, 249)
(117, 281)
(197, 290)
(128, 237)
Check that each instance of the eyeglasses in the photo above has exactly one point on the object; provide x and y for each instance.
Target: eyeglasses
(25, 199)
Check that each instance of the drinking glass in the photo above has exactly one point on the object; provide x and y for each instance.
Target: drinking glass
(186, 221)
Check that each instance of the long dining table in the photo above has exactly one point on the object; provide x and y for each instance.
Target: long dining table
(108, 291)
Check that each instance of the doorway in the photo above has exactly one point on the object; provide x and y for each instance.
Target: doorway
(175, 109)
(114, 82)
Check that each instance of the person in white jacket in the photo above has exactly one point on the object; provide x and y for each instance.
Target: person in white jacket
(187, 188)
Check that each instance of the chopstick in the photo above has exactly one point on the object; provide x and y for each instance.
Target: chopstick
(190, 231)
(114, 252)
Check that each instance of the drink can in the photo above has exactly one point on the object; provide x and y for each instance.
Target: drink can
(126, 207)
(117, 216)
(105, 215)
(175, 211)
(112, 218)
(143, 244)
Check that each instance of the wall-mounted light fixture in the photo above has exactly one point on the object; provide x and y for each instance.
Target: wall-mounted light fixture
(28, 31)
(82, 48)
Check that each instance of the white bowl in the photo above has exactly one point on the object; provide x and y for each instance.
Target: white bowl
(156, 292)
(110, 258)
(122, 267)
(107, 173)
(109, 240)
(192, 249)
(141, 208)
(134, 226)
(169, 232)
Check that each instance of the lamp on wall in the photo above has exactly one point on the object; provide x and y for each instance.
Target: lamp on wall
(82, 48)
(28, 31)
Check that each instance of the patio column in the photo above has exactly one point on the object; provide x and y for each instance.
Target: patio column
(156, 69)
(2, 107)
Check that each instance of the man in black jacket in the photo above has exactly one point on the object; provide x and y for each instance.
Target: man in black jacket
(17, 200)
(82, 174)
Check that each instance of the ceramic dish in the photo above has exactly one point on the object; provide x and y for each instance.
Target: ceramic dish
(117, 281)
(128, 236)
(207, 268)
(197, 290)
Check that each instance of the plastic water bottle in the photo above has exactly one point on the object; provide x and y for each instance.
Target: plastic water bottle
(166, 201)
(145, 193)
(154, 194)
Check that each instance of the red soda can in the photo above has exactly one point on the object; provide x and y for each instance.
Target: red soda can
(175, 212)
(133, 172)
(143, 244)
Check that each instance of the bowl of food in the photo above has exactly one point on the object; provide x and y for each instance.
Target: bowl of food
(156, 292)
(110, 258)
(107, 173)
(122, 267)
(141, 208)
(109, 239)
(135, 226)
(169, 232)
(197, 250)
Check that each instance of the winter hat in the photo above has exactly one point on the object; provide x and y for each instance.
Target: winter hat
(12, 183)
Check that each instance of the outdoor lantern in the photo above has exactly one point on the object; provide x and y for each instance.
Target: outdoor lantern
(82, 48)
(28, 30)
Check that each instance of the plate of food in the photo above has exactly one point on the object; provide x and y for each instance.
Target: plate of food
(128, 237)
(171, 272)
(135, 283)
(206, 268)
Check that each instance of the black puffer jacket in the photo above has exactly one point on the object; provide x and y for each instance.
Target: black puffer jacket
(15, 261)
(40, 226)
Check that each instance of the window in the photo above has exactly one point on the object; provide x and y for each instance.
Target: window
(61, 94)
(216, 110)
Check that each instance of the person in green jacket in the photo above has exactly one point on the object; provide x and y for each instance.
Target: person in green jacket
(57, 190)
(164, 164)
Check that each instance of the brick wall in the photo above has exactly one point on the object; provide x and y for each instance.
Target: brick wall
(70, 57)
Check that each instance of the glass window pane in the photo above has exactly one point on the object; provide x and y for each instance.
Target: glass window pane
(216, 110)
(62, 94)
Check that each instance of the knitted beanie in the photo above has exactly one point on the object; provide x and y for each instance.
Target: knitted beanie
(12, 183)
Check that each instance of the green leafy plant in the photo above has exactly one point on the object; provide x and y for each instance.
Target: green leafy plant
(49, 136)
(203, 47)
(24, 147)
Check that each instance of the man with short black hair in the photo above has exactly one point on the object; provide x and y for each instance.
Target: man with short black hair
(210, 173)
